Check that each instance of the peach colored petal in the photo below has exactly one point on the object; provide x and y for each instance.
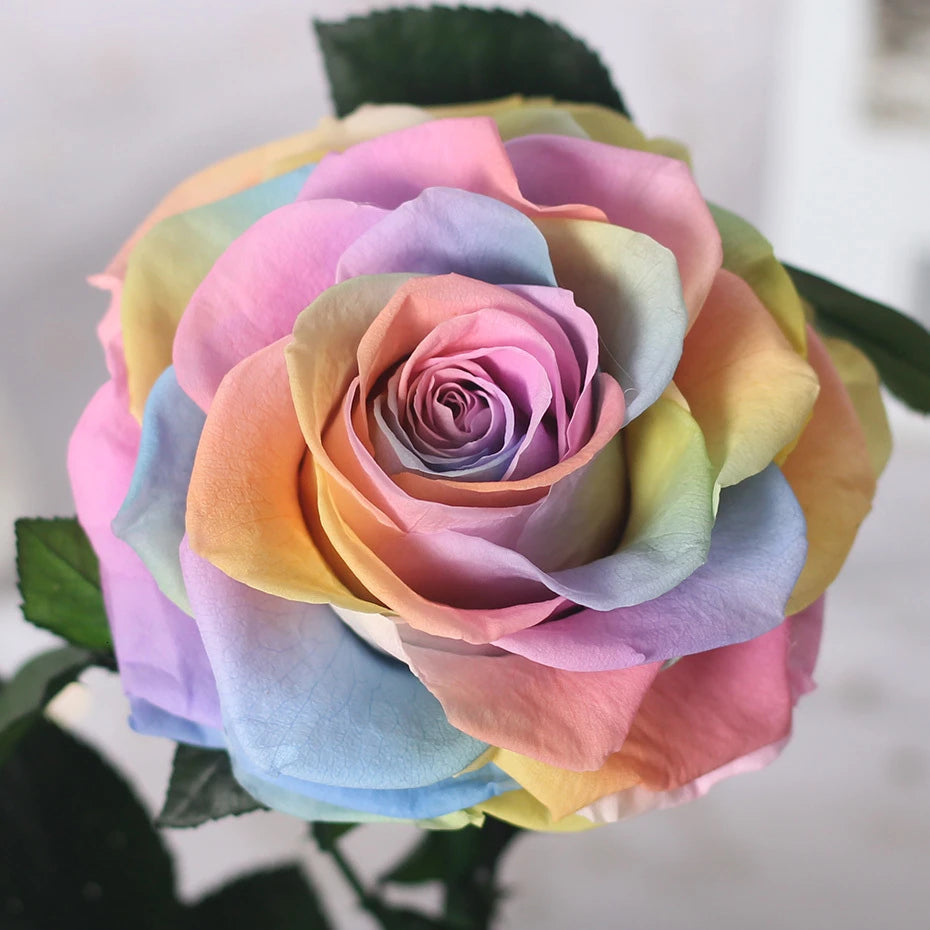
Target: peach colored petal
(747, 387)
(831, 473)
(243, 512)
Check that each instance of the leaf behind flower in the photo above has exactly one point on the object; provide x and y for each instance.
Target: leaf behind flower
(898, 346)
(443, 56)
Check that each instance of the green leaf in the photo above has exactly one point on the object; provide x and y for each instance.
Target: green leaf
(898, 346)
(202, 787)
(280, 899)
(327, 834)
(465, 861)
(442, 56)
(77, 850)
(24, 697)
(59, 580)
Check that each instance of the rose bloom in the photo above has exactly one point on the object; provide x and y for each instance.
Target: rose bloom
(466, 461)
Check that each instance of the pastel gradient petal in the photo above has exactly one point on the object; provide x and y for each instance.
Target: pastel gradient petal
(756, 554)
(711, 708)
(152, 516)
(747, 387)
(259, 285)
(443, 231)
(313, 801)
(747, 253)
(830, 471)
(168, 264)
(630, 286)
(863, 385)
(244, 514)
(158, 647)
(567, 719)
(641, 191)
(804, 630)
(303, 697)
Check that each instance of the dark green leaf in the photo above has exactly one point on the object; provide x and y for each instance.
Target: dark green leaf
(465, 861)
(24, 697)
(77, 850)
(443, 56)
(59, 580)
(202, 788)
(327, 834)
(898, 346)
(280, 899)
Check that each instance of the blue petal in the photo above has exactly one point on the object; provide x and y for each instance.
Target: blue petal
(447, 231)
(145, 717)
(151, 519)
(757, 551)
(325, 802)
(303, 697)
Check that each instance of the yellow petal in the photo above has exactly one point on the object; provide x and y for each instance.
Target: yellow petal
(830, 471)
(863, 385)
(523, 810)
(747, 387)
(747, 253)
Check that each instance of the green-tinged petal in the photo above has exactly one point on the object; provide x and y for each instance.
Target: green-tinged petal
(169, 263)
(747, 253)
(746, 386)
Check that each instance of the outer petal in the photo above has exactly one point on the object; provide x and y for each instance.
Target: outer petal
(466, 154)
(160, 653)
(747, 253)
(756, 554)
(711, 708)
(863, 385)
(446, 799)
(573, 720)
(170, 262)
(637, 190)
(747, 387)
(303, 697)
(831, 473)
(259, 285)
(629, 284)
(151, 518)
(804, 640)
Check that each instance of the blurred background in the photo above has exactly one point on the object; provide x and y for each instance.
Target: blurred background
(810, 119)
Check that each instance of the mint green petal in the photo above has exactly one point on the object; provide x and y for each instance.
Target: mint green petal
(747, 253)
(169, 263)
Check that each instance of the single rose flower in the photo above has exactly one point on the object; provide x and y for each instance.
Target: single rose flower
(465, 462)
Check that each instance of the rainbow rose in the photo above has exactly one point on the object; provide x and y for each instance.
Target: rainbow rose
(464, 462)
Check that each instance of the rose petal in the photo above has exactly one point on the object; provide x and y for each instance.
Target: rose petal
(636, 190)
(746, 386)
(302, 697)
(169, 263)
(711, 708)
(629, 285)
(756, 554)
(158, 647)
(748, 254)
(831, 473)
(151, 519)
(568, 719)
(863, 385)
(442, 231)
(465, 154)
(441, 801)
(243, 511)
(259, 285)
